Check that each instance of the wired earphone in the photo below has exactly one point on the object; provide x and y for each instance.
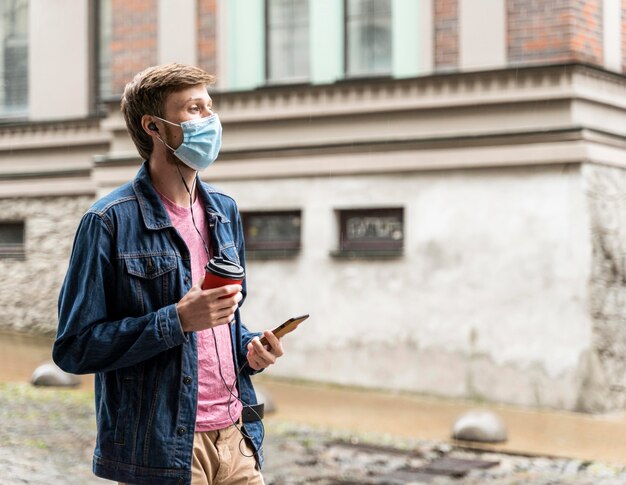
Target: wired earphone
(231, 394)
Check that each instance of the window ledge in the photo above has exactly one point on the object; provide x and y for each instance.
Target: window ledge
(13, 256)
(265, 254)
(366, 254)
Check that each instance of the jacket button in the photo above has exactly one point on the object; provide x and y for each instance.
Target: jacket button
(181, 431)
(186, 279)
(187, 380)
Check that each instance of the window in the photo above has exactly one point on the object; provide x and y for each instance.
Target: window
(104, 31)
(287, 40)
(12, 240)
(368, 37)
(272, 234)
(14, 57)
(371, 232)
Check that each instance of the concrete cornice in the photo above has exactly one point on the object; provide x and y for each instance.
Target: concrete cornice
(47, 185)
(399, 144)
(376, 162)
(574, 145)
(531, 115)
(514, 84)
(69, 174)
(449, 90)
(64, 133)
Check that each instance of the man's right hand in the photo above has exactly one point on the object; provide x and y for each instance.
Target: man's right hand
(201, 309)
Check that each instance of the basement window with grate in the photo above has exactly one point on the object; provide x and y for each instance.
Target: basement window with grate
(12, 240)
(376, 233)
(272, 234)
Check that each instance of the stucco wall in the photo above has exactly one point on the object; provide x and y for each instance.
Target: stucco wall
(29, 288)
(606, 192)
(509, 289)
(489, 300)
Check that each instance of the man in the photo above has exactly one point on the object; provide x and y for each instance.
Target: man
(174, 399)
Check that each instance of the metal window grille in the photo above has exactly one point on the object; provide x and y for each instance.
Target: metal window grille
(371, 229)
(272, 230)
(12, 240)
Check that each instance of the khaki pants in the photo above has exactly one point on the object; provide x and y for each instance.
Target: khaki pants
(218, 459)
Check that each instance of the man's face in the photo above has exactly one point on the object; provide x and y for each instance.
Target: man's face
(188, 104)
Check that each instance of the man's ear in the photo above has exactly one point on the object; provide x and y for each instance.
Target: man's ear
(149, 125)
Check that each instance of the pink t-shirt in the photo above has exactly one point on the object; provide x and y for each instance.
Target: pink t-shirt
(214, 410)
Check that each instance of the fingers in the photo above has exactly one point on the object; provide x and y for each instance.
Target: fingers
(227, 312)
(222, 311)
(259, 356)
(223, 291)
(200, 309)
(223, 318)
(224, 306)
(276, 348)
(221, 305)
(255, 361)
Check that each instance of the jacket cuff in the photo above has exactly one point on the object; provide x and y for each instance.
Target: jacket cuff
(250, 370)
(170, 327)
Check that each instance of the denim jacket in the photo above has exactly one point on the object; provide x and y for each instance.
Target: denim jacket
(117, 318)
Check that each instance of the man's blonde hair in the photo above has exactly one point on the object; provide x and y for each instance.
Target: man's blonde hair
(147, 92)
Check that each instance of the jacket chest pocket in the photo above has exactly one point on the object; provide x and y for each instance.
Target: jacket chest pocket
(150, 281)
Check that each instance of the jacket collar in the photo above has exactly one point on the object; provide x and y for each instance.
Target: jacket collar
(152, 209)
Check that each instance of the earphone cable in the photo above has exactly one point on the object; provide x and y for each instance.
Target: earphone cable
(231, 394)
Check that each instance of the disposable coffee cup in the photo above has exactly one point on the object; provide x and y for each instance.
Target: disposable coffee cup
(221, 272)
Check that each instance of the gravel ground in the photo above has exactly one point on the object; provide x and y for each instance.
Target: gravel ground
(47, 435)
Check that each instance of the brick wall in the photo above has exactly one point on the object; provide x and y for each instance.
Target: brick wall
(586, 31)
(133, 39)
(206, 36)
(446, 34)
(554, 31)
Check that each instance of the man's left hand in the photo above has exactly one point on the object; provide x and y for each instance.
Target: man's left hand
(260, 356)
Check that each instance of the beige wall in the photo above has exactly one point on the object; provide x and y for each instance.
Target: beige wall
(59, 55)
(605, 188)
(489, 299)
(177, 32)
(49, 158)
(427, 39)
(612, 29)
(482, 34)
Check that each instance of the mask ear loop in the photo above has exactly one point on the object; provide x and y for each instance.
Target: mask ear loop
(163, 141)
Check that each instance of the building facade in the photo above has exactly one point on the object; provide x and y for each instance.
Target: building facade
(439, 183)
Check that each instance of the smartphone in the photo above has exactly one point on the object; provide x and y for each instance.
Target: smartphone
(284, 328)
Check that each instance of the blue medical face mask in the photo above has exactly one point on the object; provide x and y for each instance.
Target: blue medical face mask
(202, 139)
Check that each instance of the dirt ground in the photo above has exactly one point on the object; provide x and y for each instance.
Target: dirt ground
(47, 436)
